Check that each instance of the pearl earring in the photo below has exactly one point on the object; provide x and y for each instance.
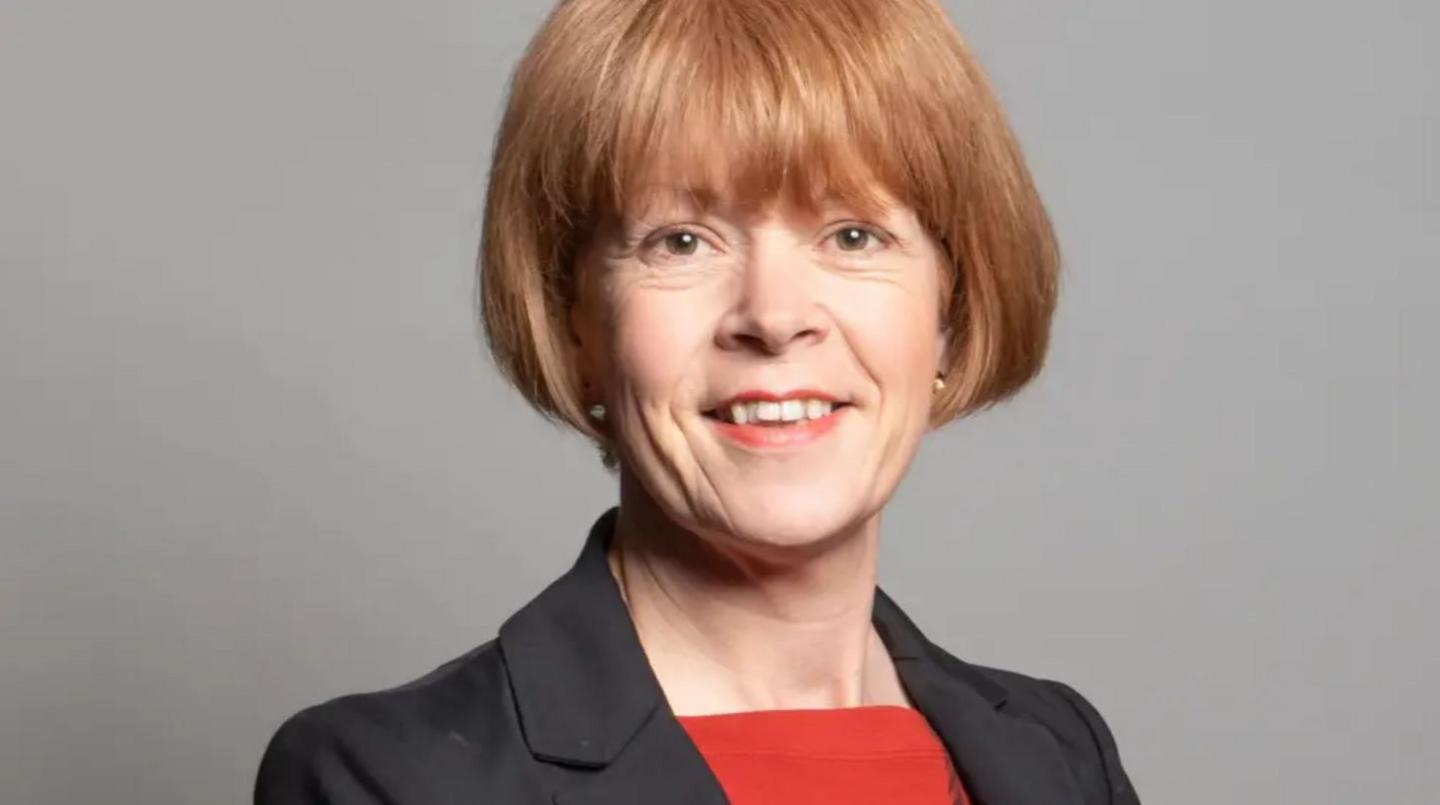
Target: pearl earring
(597, 411)
(939, 382)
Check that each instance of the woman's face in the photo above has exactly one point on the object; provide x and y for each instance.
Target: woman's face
(766, 374)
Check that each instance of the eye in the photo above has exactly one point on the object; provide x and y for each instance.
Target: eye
(681, 243)
(672, 244)
(856, 238)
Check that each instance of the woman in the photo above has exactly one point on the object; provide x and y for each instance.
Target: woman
(755, 250)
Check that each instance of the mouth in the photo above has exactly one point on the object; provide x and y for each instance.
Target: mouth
(775, 413)
(763, 420)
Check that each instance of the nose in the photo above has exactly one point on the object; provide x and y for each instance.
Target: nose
(776, 308)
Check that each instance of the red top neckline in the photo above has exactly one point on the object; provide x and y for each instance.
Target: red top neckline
(843, 755)
(886, 728)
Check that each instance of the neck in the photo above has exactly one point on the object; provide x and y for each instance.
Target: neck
(731, 625)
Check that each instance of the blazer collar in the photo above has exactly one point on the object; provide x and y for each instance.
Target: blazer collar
(585, 692)
(581, 681)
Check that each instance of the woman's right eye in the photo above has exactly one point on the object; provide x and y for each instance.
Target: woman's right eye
(681, 243)
(673, 243)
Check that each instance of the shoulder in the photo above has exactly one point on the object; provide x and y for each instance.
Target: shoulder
(1083, 735)
(440, 733)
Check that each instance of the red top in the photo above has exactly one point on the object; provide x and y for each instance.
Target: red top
(841, 756)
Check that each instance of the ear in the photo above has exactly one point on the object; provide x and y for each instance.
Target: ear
(580, 340)
(586, 340)
(576, 323)
(942, 350)
(579, 320)
(586, 323)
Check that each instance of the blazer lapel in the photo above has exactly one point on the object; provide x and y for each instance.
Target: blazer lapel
(1001, 759)
(661, 765)
(587, 698)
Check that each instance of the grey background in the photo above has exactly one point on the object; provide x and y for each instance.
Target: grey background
(252, 456)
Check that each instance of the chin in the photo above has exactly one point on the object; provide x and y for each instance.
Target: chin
(776, 517)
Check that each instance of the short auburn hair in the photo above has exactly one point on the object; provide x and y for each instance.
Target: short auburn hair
(755, 99)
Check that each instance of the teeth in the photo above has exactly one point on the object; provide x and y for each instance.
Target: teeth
(792, 410)
(744, 413)
(739, 413)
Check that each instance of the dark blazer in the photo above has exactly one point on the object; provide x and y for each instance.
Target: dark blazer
(563, 708)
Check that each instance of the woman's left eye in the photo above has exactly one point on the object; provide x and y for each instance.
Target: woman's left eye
(853, 238)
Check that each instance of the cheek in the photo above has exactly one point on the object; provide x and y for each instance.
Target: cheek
(892, 330)
(656, 338)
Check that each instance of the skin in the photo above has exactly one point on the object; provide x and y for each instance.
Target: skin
(750, 572)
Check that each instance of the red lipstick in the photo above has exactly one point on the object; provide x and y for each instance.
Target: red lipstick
(761, 395)
(772, 433)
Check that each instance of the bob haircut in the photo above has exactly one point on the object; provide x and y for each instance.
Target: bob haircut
(758, 100)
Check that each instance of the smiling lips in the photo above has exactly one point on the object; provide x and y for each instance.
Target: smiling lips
(767, 419)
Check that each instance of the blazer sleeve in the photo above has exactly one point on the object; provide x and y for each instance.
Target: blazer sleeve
(1107, 755)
